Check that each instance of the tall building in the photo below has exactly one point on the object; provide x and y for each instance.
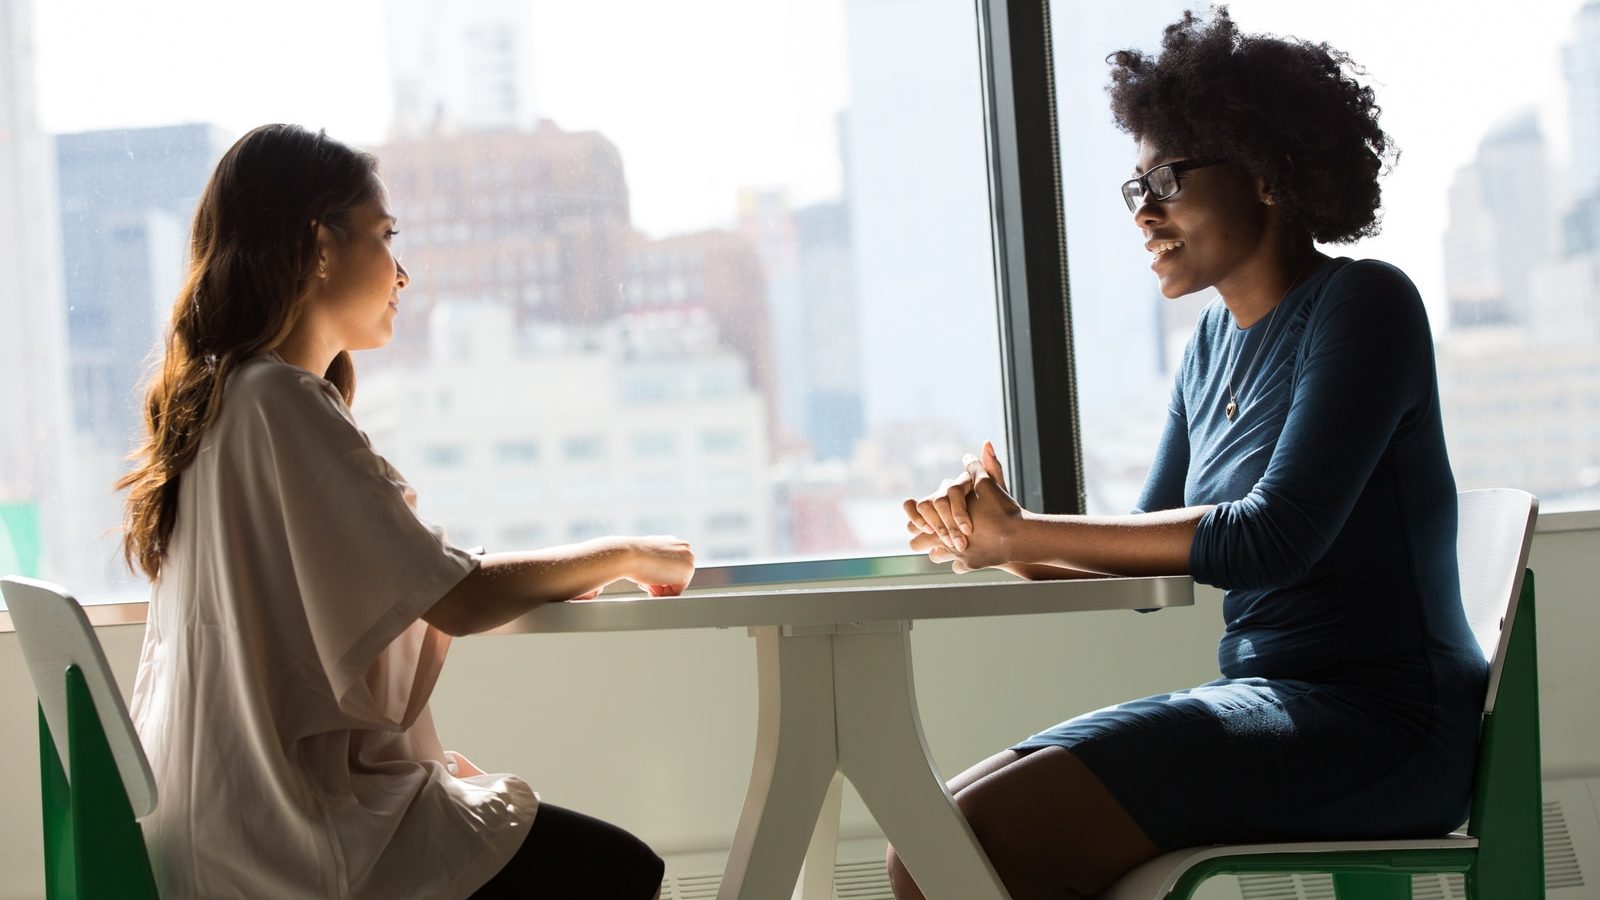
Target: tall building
(33, 397)
(538, 222)
(127, 198)
(525, 437)
(808, 264)
(461, 66)
(1500, 226)
(918, 198)
(834, 415)
(1580, 64)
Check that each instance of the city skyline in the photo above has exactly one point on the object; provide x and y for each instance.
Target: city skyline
(899, 257)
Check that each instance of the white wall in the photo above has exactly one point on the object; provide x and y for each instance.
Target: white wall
(655, 731)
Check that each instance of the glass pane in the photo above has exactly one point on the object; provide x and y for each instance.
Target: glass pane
(726, 270)
(1493, 210)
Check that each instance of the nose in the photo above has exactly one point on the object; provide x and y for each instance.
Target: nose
(1149, 212)
(401, 276)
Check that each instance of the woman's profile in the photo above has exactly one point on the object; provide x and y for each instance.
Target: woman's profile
(301, 611)
(1302, 468)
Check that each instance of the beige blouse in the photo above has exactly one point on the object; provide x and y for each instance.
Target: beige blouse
(282, 691)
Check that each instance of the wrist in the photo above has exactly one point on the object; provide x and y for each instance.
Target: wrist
(1017, 537)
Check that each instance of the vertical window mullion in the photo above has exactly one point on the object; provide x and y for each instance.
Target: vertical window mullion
(1038, 367)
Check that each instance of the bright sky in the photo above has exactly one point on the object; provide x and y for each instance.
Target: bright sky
(686, 89)
(683, 88)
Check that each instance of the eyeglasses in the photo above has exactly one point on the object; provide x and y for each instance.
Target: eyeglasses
(1160, 182)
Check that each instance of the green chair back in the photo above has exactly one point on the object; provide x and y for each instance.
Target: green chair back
(94, 777)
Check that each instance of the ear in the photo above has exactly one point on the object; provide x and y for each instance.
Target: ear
(1263, 195)
(325, 244)
(1261, 183)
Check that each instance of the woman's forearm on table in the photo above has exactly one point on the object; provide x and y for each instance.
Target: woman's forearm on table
(506, 585)
(1143, 544)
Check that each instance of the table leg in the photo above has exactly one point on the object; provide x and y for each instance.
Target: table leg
(795, 761)
(883, 753)
(816, 876)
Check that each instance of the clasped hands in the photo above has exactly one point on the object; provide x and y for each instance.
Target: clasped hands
(970, 520)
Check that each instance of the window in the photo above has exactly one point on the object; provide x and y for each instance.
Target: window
(585, 448)
(444, 456)
(515, 453)
(644, 246)
(1493, 210)
(641, 244)
(653, 445)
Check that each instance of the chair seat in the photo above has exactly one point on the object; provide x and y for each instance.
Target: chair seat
(1157, 877)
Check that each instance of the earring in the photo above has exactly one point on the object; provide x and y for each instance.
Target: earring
(1271, 202)
(322, 271)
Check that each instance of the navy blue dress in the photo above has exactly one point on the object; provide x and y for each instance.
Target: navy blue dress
(1352, 689)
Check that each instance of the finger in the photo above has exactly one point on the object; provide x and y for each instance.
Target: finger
(664, 590)
(914, 516)
(991, 464)
(932, 517)
(957, 498)
(923, 542)
(949, 525)
(941, 554)
(959, 567)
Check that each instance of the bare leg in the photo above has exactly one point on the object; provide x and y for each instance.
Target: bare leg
(1047, 823)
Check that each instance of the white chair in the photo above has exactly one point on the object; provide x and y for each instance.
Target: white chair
(94, 778)
(1501, 851)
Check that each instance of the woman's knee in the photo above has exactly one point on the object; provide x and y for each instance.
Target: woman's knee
(900, 881)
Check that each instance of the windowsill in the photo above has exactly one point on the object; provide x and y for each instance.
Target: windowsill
(798, 574)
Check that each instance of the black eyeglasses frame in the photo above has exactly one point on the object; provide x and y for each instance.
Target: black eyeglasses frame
(1135, 189)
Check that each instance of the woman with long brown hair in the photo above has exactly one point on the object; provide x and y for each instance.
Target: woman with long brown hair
(300, 610)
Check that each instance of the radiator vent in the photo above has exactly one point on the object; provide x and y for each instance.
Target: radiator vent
(1286, 887)
(692, 887)
(863, 880)
(1561, 868)
(1438, 887)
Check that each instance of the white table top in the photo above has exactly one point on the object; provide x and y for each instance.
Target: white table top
(873, 601)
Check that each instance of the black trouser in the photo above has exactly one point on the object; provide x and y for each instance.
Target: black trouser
(570, 856)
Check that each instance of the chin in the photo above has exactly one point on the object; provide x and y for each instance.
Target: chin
(1172, 288)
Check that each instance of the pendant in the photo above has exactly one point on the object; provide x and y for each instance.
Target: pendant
(1231, 409)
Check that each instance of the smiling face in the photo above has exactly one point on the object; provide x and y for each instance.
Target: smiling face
(360, 277)
(1210, 232)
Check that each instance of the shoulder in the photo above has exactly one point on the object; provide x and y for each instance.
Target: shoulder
(1371, 292)
(267, 391)
(1372, 277)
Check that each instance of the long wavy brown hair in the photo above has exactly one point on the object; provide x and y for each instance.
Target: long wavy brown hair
(252, 259)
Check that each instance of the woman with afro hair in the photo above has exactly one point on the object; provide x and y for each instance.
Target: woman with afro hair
(1302, 469)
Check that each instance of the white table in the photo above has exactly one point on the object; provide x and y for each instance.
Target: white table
(836, 698)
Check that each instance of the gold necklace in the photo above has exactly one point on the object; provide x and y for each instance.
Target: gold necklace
(1232, 409)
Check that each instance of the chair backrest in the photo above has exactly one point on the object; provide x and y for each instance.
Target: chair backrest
(1494, 534)
(54, 634)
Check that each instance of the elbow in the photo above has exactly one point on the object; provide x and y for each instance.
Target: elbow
(1236, 549)
(452, 614)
